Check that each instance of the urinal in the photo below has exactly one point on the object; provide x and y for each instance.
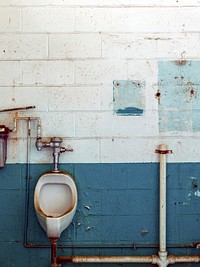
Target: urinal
(55, 202)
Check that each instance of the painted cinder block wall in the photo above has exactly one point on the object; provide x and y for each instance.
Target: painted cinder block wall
(65, 58)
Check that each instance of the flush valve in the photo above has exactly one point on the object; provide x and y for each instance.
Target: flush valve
(55, 144)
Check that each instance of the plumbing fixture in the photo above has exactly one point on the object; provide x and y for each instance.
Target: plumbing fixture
(4, 131)
(55, 144)
(162, 259)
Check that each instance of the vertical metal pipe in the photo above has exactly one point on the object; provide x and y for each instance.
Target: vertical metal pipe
(54, 253)
(162, 199)
(27, 201)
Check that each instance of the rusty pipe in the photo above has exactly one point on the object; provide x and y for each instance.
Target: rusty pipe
(108, 259)
(153, 259)
(181, 259)
(54, 253)
(16, 109)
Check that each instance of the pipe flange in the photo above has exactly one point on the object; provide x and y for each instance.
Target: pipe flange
(158, 151)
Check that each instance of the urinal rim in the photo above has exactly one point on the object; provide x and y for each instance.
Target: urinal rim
(74, 194)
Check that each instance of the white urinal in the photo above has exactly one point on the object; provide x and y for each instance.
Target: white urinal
(55, 201)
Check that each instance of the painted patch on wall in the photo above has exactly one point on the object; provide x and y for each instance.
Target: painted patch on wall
(128, 97)
(179, 87)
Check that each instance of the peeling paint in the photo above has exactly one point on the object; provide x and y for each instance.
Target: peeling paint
(179, 87)
(144, 232)
(128, 97)
(197, 193)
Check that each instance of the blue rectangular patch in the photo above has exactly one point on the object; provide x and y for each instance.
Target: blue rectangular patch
(128, 97)
(179, 88)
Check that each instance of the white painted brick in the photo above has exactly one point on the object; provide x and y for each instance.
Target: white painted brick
(84, 151)
(151, 46)
(100, 71)
(137, 19)
(13, 147)
(9, 73)
(145, 125)
(43, 156)
(139, 150)
(57, 124)
(23, 2)
(184, 149)
(97, 20)
(74, 46)
(10, 19)
(24, 96)
(48, 19)
(88, 72)
(107, 124)
(124, 2)
(21, 46)
(113, 150)
(118, 150)
(106, 98)
(113, 69)
(182, 45)
(142, 70)
(7, 118)
(99, 124)
(74, 98)
(47, 72)
(128, 46)
(53, 124)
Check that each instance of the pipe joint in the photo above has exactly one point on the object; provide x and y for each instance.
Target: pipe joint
(163, 259)
(155, 259)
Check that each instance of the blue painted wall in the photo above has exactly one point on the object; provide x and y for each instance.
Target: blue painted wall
(118, 206)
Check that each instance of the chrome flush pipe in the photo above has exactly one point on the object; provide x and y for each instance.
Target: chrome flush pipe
(55, 144)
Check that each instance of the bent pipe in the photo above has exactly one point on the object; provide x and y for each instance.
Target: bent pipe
(162, 259)
(153, 259)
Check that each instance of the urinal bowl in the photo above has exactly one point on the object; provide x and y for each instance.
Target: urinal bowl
(55, 202)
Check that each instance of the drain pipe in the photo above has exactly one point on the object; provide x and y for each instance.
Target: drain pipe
(108, 259)
(162, 259)
(162, 151)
